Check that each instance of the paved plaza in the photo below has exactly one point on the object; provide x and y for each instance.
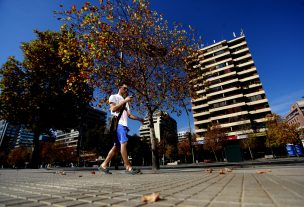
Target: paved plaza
(183, 187)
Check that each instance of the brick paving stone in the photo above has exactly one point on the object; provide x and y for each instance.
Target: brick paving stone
(221, 204)
(258, 205)
(108, 202)
(54, 200)
(69, 203)
(15, 202)
(179, 187)
(133, 203)
(4, 198)
(90, 205)
(32, 204)
(38, 198)
(92, 199)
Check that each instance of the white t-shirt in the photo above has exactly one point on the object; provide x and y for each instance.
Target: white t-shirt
(116, 99)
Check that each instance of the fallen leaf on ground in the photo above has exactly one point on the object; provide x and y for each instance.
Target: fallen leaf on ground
(263, 171)
(150, 198)
(93, 173)
(222, 172)
(209, 170)
(60, 172)
(228, 169)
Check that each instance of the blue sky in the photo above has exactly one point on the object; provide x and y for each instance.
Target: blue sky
(274, 30)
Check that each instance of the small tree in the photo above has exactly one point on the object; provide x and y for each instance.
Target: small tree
(279, 132)
(19, 156)
(184, 149)
(127, 41)
(250, 140)
(32, 92)
(215, 139)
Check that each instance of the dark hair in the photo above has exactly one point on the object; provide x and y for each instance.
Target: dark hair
(122, 83)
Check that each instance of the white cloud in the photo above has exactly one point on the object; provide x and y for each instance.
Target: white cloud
(281, 105)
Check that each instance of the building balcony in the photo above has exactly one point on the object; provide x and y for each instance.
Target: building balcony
(201, 114)
(200, 106)
(219, 69)
(265, 100)
(216, 56)
(201, 91)
(198, 99)
(202, 122)
(242, 57)
(236, 133)
(222, 91)
(200, 138)
(260, 120)
(217, 63)
(212, 47)
(250, 78)
(241, 51)
(200, 130)
(254, 85)
(245, 64)
(225, 99)
(197, 66)
(238, 45)
(216, 50)
(222, 76)
(235, 123)
(255, 93)
(227, 107)
(260, 111)
(229, 115)
(247, 71)
(225, 83)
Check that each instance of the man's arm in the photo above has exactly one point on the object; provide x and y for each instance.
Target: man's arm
(131, 116)
(116, 107)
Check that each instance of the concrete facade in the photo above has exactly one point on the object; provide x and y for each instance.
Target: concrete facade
(229, 90)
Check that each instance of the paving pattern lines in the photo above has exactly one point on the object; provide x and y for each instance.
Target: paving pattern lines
(241, 187)
(283, 191)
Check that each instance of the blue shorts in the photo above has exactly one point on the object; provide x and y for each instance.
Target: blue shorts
(121, 135)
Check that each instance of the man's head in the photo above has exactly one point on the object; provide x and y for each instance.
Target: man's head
(123, 88)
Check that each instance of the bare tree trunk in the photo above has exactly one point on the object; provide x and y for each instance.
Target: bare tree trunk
(155, 161)
(272, 153)
(215, 155)
(251, 155)
(35, 161)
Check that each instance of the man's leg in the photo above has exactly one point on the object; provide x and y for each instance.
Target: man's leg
(124, 154)
(109, 157)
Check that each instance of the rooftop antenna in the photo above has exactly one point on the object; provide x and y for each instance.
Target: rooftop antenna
(242, 32)
(234, 35)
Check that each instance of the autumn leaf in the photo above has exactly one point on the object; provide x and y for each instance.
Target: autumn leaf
(151, 198)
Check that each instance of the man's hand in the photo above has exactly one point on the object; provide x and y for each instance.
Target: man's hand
(128, 99)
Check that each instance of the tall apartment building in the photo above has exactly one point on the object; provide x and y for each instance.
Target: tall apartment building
(229, 90)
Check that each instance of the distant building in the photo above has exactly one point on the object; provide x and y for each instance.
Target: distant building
(182, 135)
(8, 135)
(164, 126)
(296, 115)
(92, 119)
(67, 139)
(25, 138)
(229, 90)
